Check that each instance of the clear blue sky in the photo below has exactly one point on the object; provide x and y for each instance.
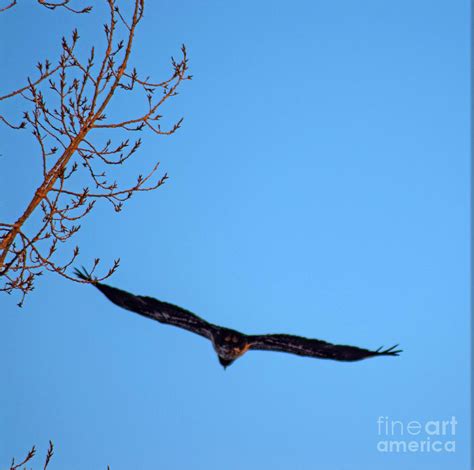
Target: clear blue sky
(319, 186)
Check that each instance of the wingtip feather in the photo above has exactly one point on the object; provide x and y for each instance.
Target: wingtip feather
(392, 351)
(82, 274)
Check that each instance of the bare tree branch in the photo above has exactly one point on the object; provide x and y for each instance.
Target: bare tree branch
(51, 6)
(30, 456)
(66, 114)
(8, 6)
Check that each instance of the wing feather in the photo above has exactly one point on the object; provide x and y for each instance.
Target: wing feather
(315, 348)
(155, 309)
(170, 314)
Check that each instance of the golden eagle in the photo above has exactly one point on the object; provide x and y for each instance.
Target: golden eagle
(231, 344)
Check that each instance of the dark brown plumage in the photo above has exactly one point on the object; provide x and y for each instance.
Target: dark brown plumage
(231, 344)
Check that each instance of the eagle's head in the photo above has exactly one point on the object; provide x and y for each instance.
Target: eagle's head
(229, 345)
(225, 362)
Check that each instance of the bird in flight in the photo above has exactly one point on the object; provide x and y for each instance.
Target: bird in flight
(231, 344)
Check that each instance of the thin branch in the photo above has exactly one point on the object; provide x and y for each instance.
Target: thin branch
(30, 456)
(7, 7)
(65, 106)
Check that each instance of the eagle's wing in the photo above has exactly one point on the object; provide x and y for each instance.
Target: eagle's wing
(315, 348)
(152, 308)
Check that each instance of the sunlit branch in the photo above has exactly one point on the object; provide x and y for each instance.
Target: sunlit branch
(65, 105)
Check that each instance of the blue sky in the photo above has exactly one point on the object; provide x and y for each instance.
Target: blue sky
(319, 186)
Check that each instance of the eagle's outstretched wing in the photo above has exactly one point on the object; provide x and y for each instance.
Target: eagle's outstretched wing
(315, 348)
(163, 312)
(231, 344)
